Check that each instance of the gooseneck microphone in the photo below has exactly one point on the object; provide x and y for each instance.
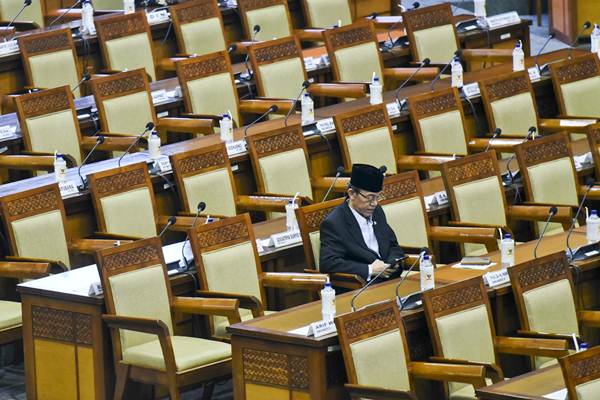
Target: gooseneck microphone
(551, 213)
(424, 250)
(149, 127)
(26, 3)
(255, 31)
(530, 134)
(305, 86)
(271, 109)
(232, 47)
(539, 53)
(424, 64)
(497, 133)
(55, 20)
(416, 5)
(170, 221)
(589, 182)
(199, 209)
(457, 53)
(84, 182)
(396, 262)
(86, 77)
(339, 171)
(586, 25)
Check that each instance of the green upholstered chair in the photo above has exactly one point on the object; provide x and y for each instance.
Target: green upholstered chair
(140, 308)
(108, 5)
(49, 60)
(580, 376)
(198, 27)
(576, 85)
(461, 326)
(326, 13)
(33, 13)
(593, 138)
(377, 356)
(229, 267)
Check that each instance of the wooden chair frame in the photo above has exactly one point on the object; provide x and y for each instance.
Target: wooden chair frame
(593, 138)
(572, 70)
(580, 368)
(193, 11)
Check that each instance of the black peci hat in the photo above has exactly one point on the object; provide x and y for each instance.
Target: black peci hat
(367, 177)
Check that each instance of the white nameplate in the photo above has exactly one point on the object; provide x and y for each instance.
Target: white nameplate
(159, 96)
(471, 90)
(95, 289)
(321, 328)
(534, 74)
(286, 238)
(577, 122)
(441, 198)
(259, 246)
(7, 131)
(11, 46)
(393, 109)
(592, 253)
(162, 114)
(68, 188)
(237, 147)
(505, 36)
(496, 278)
(325, 60)
(309, 64)
(157, 17)
(503, 19)
(469, 27)
(163, 164)
(326, 125)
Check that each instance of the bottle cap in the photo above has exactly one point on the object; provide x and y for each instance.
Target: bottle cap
(594, 212)
(226, 116)
(583, 346)
(507, 236)
(306, 94)
(426, 257)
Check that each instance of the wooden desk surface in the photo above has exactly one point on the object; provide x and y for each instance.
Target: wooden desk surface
(531, 386)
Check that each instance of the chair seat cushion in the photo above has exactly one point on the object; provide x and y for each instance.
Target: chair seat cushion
(10, 314)
(189, 353)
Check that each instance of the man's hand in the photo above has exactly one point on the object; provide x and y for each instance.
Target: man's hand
(377, 266)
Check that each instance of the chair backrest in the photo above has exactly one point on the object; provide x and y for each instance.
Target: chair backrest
(198, 27)
(365, 137)
(374, 346)
(124, 201)
(404, 206)
(280, 161)
(36, 224)
(48, 122)
(439, 122)
(227, 260)
(124, 102)
(34, 13)
(509, 103)
(309, 221)
(431, 33)
(204, 174)
(49, 60)
(576, 85)
(593, 137)
(326, 13)
(548, 171)
(135, 283)
(460, 322)
(126, 42)
(346, 45)
(273, 17)
(207, 85)
(278, 67)
(581, 374)
(108, 5)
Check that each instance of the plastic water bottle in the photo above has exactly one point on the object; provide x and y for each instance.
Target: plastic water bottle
(583, 346)
(427, 277)
(290, 216)
(480, 11)
(226, 128)
(592, 227)
(595, 39)
(60, 167)
(308, 109)
(87, 18)
(457, 73)
(507, 251)
(328, 302)
(376, 90)
(128, 6)
(154, 146)
(518, 57)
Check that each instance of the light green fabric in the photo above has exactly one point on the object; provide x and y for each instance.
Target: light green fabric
(438, 44)
(213, 95)
(357, 63)
(454, 328)
(131, 52)
(372, 147)
(515, 114)
(214, 188)
(380, 361)
(553, 182)
(327, 13)
(582, 98)
(588, 390)
(128, 115)
(129, 213)
(10, 8)
(444, 133)
(56, 131)
(315, 245)
(407, 214)
(273, 22)
(108, 4)
(55, 69)
(42, 236)
(286, 173)
(141, 293)
(282, 79)
(487, 194)
(203, 37)
(10, 314)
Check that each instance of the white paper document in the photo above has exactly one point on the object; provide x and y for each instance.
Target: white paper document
(558, 395)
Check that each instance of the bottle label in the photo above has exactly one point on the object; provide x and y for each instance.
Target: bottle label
(427, 280)
(376, 94)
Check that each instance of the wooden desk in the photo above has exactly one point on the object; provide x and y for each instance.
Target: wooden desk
(531, 386)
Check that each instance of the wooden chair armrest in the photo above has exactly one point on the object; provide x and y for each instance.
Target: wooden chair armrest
(338, 90)
(552, 125)
(554, 348)
(56, 266)
(187, 125)
(593, 194)
(589, 318)
(108, 71)
(145, 325)
(324, 182)
(464, 234)
(111, 142)
(304, 201)
(499, 144)
(91, 246)
(387, 23)
(72, 14)
(212, 306)
(532, 212)
(114, 236)
(401, 74)
(309, 35)
(245, 301)
(562, 116)
(182, 224)
(28, 162)
(544, 335)
(487, 55)
(375, 393)
(215, 118)
(261, 105)
(168, 63)
(425, 163)
(472, 374)
(242, 47)
(295, 280)
(262, 203)
(347, 281)
(474, 225)
(26, 270)
(492, 371)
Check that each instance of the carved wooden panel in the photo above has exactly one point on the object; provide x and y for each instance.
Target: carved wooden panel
(457, 298)
(541, 151)
(197, 10)
(147, 254)
(371, 119)
(279, 142)
(120, 181)
(204, 67)
(45, 103)
(45, 42)
(34, 204)
(315, 218)
(120, 26)
(198, 162)
(121, 85)
(384, 319)
(278, 51)
(399, 188)
(471, 170)
(248, 5)
(586, 369)
(577, 69)
(65, 326)
(429, 18)
(433, 104)
(221, 235)
(508, 87)
(540, 274)
(350, 37)
(278, 369)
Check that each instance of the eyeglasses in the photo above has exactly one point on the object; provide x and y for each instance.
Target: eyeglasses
(374, 198)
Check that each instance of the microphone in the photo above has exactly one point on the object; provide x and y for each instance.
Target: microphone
(586, 25)
(548, 39)
(305, 86)
(424, 251)
(497, 133)
(55, 20)
(26, 3)
(415, 5)
(84, 183)
(424, 63)
(271, 109)
(589, 182)
(232, 47)
(551, 213)
(530, 133)
(149, 127)
(339, 171)
(199, 209)
(86, 77)
(170, 222)
(398, 260)
(457, 53)
(255, 31)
